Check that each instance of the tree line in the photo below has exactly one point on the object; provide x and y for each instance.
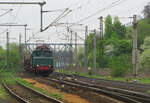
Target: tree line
(14, 58)
(114, 50)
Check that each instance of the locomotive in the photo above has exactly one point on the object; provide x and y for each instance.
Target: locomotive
(40, 61)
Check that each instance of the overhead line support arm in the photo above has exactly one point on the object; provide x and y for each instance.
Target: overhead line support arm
(27, 3)
(40, 3)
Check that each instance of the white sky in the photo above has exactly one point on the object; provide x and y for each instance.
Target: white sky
(30, 14)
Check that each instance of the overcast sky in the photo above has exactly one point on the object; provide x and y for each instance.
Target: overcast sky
(81, 9)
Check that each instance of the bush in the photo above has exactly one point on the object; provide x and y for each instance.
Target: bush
(14, 56)
(120, 65)
(123, 47)
(145, 59)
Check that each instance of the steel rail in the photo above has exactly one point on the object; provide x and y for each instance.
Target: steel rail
(37, 92)
(139, 85)
(118, 96)
(130, 94)
(22, 100)
(139, 97)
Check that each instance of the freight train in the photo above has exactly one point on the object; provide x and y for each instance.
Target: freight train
(40, 61)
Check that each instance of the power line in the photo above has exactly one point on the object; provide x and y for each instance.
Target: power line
(62, 15)
(113, 4)
(56, 10)
(6, 12)
(3, 32)
(19, 8)
(33, 36)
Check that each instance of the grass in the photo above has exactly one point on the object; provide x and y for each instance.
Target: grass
(5, 76)
(141, 80)
(81, 74)
(145, 80)
(3, 93)
(148, 92)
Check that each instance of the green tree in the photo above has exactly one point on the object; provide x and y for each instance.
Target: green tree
(118, 28)
(14, 56)
(146, 44)
(143, 30)
(2, 58)
(146, 11)
(145, 59)
(123, 47)
(80, 56)
(108, 27)
(101, 62)
(145, 56)
(120, 65)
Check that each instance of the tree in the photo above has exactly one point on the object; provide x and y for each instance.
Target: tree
(143, 30)
(101, 62)
(2, 58)
(146, 44)
(120, 65)
(80, 56)
(118, 28)
(89, 41)
(108, 27)
(145, 59)
(123, 47)
(145, 56)
(146, 11)
(14, 56)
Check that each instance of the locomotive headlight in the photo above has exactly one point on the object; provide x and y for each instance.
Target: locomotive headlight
(37, 65)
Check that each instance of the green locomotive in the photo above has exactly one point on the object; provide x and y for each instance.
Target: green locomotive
(40, 61)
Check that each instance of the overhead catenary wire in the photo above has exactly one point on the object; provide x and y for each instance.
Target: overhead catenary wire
(33, 36)
(55, 19)
(56, 10)
(9, 10)
(113, 4)
(3, 32)
(62, 15)
(19, 9)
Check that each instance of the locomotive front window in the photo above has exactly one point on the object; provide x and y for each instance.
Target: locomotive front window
(47, 53)
(42, 54)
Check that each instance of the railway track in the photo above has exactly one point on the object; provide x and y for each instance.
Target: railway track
(25, 94)
(120, 94)
(137, 87)
(19, 98)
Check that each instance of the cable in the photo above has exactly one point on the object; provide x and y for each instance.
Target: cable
(113, 4)
(74, 4)
(66, 12)
(33, 36)
(3, 32)
(6, 12)
(19, 9)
